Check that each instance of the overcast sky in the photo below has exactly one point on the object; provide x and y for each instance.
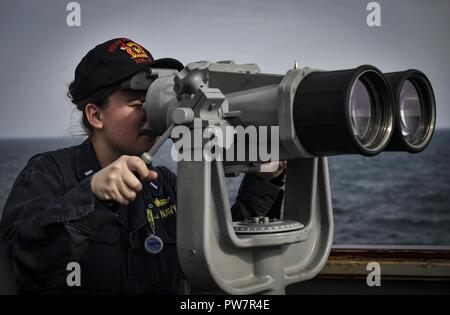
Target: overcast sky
(39, 51)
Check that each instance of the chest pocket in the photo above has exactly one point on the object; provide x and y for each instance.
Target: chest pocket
(101, 263)
(108, 234)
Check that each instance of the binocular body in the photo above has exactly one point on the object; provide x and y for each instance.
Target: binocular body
(316, 113)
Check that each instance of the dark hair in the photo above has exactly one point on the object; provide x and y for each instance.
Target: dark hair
(99, 98)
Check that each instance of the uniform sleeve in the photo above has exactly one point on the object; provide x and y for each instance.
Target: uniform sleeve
(45, 226)
(168, 176)
(257, 197)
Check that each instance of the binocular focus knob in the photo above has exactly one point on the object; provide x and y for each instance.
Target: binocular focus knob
(183, 116)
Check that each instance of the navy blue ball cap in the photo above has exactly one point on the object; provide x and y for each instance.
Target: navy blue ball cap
(111, 62)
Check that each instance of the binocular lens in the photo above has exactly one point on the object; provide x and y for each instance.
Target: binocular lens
(415, 111)
(362, 113)
(410, 112)
(344, 112)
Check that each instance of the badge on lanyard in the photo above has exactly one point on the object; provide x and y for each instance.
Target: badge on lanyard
(153, 244)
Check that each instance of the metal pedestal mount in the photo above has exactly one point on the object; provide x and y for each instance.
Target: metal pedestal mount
(252, 257)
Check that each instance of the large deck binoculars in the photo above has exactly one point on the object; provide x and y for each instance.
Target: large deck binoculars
(312, 114)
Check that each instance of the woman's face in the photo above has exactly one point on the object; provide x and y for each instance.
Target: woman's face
(123, 120)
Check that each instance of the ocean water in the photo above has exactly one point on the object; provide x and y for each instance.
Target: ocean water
(391, 199)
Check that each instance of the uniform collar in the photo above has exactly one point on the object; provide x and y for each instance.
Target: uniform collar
(86, 160)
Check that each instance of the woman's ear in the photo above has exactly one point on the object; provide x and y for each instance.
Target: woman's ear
(93, 115)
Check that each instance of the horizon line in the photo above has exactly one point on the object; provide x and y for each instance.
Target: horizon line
(83, 136)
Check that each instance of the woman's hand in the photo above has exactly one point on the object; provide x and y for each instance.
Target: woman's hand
(117, 181)
(275, 170)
